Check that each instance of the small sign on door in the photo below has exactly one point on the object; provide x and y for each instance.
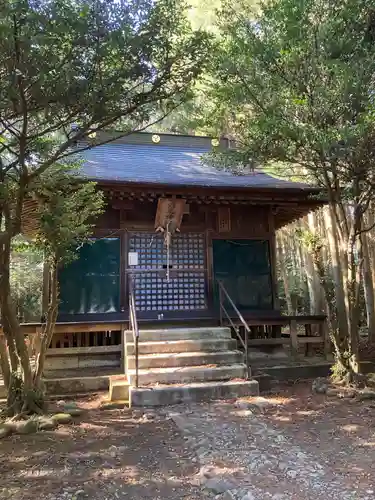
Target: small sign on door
(133, 258)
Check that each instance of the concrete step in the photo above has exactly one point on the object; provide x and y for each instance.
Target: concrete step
(183, 346)
(187, 374)
(165, 334)
(164, 360)
(187, 393)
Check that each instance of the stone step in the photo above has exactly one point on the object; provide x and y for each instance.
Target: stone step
(165, 334)
(166, 360)
(183, 346)
(187, 374)
(187, 393)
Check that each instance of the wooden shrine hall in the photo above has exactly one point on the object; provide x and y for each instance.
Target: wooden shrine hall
(178, 226)
(180, 245)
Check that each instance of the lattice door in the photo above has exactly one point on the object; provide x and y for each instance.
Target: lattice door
(186, 288)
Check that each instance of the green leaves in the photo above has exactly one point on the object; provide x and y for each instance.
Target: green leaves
(67, 61)
(68, 209)
(297, 78)
(85, 11)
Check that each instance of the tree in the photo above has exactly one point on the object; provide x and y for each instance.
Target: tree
(298, 79)
(70, 68)
(68, 207)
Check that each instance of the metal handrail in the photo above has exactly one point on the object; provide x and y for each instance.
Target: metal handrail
(134, 325)
(245, 344)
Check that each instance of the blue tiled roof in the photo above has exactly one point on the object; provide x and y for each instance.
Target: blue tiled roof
(168, 165)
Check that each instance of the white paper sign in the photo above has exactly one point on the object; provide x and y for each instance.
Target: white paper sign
(133, 258)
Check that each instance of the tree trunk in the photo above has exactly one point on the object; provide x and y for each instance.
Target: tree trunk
(50, 324)
(4, 361)
(368, 287)
(315, 289)
(22, 393)
(337, 273)
(284, 272)
(344, 339)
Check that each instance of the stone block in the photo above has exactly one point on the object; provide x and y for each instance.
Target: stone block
(118, 390)
(187, 393)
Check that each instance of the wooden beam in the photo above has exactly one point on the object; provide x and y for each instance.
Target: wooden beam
(310, 340)
(122, 205)
(68, 351)
(30, 328)
(278, 341)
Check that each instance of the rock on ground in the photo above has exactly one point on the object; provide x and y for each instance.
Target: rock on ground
(320, 385)
(5, 430)
(366, 394)
(62, 418)
(26, 426)
(47, 423)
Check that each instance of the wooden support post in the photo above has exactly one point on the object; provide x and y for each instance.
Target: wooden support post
(123, 349)
(273, 259)
(327, 341)
(308, 333)
(293, 337)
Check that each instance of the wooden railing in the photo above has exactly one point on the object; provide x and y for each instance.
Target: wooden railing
(295, 331)
(82, 337)
(134, 326)
(255, 328)
(245, 342)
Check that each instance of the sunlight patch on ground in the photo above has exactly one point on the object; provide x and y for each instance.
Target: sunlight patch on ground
(350, 428)
(367, 444)
(44, 472)
(307, 413)
(280, 418)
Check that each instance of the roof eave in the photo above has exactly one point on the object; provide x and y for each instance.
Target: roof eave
(153, 185)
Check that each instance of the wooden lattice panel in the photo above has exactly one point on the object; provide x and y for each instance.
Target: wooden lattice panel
(183, 292)
(186, 288)
(187, 251)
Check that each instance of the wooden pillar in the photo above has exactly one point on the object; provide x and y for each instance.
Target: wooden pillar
(209, 268)
(293, 337)
(123, 261)
(273, 259)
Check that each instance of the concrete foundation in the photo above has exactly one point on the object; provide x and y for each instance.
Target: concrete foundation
(77, 385)
(83, 357)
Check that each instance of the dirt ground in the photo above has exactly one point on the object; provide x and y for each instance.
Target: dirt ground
(105, 454)
(340, 432)
(125, 454)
